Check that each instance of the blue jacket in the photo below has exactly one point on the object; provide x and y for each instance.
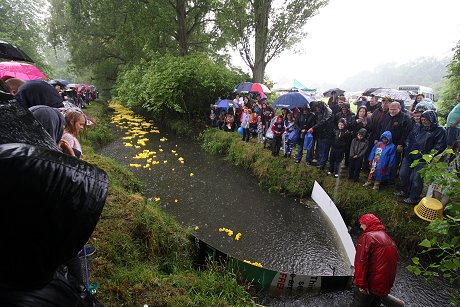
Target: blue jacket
(426, 139)
(387, 159)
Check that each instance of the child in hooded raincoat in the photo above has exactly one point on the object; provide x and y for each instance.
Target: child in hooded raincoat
(381, 160)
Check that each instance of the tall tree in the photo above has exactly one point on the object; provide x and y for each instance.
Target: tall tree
(108, 35)
(22, 24)
(261, 30)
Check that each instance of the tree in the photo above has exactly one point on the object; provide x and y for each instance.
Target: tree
(22, 25)
(176, 86)
(108, 36)
(261, 31)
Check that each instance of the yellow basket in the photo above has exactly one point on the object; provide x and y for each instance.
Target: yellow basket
(429, 209)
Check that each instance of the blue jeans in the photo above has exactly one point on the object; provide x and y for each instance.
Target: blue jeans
(300, 152)
(410, 180)
(452, 135)
(324, 145)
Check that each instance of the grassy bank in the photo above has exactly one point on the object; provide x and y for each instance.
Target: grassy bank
(143, 255)
(284, 176)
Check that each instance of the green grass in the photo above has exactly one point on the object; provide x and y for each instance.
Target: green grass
(143, 255)
(283, 175)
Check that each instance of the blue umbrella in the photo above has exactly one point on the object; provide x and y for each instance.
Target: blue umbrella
(226, 103)
(292, 100)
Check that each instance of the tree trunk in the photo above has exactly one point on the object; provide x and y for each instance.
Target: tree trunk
(181, 15)
(261, 10)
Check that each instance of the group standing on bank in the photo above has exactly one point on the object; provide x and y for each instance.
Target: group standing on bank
(383, 139)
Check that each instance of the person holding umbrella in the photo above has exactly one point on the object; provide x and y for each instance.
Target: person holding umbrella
(303, 122)
(324, 132)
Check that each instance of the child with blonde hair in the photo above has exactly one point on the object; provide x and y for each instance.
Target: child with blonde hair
(74, 123)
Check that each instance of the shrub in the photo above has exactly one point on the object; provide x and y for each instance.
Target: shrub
(169, 86)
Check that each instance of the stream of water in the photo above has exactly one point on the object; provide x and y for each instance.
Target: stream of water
(217, 199)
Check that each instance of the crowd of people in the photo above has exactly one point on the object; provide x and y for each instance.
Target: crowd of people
(382, 139)
(57, 110)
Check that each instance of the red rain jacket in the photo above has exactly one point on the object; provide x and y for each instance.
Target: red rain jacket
(376, 258)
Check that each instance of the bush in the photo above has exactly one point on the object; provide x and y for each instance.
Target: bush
(169, 86)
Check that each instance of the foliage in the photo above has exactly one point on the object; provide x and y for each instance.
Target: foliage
(283, 175)
(263, 29)
(442, 244)
(99, 134)
(448, 94)
(22, 25)
(104, 36)
(170, 86)
(143, 255)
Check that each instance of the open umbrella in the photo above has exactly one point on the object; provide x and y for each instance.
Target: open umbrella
(328, 93)
(392, 93)
(20, 70)
(226, 103)
(292, 100)
(370, 90)
(246, 87)
(11, 52)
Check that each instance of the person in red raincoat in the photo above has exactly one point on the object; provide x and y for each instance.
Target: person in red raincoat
(375, 263)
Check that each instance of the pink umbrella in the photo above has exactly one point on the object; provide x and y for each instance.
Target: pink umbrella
(20, 70)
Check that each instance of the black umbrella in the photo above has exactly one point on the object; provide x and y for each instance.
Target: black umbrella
(328, 93)
(10, 52)
(370, 90)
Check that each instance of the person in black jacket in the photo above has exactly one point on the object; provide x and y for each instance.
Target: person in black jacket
(358, 150)
(339, 147)
(349, 118)
(400, 125)
(424, 137)
(303, 123)
(323, 130)
(377, 118)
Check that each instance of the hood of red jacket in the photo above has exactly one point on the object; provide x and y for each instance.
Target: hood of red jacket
(372, 222)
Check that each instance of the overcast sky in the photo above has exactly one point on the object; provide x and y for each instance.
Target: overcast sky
(348, 36)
